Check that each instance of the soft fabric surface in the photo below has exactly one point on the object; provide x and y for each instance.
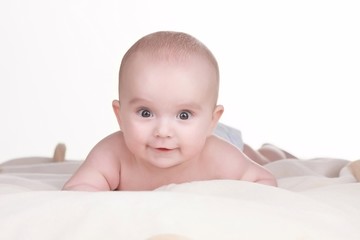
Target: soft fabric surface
(316, 199)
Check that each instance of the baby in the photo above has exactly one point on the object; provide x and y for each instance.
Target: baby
(167, 112)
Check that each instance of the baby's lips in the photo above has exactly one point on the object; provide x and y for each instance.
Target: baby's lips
(164, 149)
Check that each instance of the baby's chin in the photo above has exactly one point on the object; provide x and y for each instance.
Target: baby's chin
(166, 163)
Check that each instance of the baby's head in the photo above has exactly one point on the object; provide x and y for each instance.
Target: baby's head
(173, 47)
(168, 90)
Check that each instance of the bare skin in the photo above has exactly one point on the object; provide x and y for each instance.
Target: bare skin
(110, 166)
(266, 153)
(167, 111)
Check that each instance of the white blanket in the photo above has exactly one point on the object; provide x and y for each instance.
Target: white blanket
(316, 199)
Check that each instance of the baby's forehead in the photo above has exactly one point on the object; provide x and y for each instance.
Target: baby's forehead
(174, 73)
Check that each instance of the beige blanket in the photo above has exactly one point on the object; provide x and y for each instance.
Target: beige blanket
(316, 199)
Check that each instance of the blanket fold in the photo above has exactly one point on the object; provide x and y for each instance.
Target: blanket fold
(316, 199)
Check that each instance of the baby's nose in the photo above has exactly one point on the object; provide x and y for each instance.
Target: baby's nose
(163, 129)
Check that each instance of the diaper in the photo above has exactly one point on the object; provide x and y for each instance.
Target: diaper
(229, 134)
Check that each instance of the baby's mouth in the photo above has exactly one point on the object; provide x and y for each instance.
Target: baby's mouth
(163, 149)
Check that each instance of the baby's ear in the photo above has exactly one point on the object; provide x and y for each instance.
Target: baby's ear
(116, 108)
(217, 113)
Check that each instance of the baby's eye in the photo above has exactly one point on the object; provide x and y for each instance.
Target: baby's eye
(145, 113)
(184, 115)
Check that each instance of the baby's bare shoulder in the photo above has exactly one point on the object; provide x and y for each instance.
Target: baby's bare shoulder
(227, 158)
(101, 168)
(217, 146)
(225, 161)
(110, 149)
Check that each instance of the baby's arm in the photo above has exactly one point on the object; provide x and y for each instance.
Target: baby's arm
(237, 164)
(256, 173)
(101, 169)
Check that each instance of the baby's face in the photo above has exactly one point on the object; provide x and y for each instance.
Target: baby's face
(166, 108)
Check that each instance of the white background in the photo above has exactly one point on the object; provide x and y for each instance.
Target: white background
(290, 70)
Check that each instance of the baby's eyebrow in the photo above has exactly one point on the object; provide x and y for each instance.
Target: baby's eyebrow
(138, 100)
(190, 106)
